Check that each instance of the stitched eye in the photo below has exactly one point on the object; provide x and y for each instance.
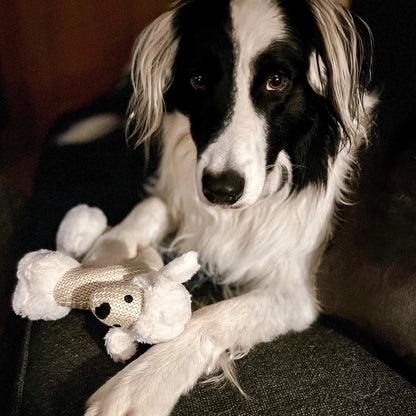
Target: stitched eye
(276, 82)
(198, 82)
(128, 298)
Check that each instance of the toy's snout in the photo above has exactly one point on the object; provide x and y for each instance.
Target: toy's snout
(118, 305)
(102, 311)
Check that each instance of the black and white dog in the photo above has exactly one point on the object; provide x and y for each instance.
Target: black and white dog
(260, 107)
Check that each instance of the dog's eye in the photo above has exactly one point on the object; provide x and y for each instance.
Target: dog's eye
(276, 82)
(198, 82)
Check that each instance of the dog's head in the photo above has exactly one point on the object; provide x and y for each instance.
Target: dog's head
(270, 91)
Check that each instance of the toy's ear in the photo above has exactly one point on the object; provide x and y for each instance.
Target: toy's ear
(182, 268)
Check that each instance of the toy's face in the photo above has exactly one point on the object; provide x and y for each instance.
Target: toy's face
(118, 305)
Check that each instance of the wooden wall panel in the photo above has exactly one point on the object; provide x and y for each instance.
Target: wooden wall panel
(58, 54)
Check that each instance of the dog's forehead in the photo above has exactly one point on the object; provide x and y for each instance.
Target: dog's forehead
(256, 24)
(252, 23)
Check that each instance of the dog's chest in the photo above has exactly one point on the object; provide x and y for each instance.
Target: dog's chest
(266, 236)
(250, 243)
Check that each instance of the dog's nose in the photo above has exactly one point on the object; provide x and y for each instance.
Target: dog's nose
(102, 311)
(223, 188)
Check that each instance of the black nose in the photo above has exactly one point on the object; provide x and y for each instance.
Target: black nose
(102, 311)
(224, 188)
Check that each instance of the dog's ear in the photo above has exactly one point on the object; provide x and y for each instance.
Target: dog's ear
(340, 64)
(151, 73)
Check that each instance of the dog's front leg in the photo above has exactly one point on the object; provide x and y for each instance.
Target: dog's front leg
(153, 383)
(145, 225)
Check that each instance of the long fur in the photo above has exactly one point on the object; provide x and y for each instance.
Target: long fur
(286, 157)
(151, 68)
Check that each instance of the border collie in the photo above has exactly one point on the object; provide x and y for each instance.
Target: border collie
(260, 108)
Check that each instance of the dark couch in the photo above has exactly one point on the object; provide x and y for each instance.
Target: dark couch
(357, 359)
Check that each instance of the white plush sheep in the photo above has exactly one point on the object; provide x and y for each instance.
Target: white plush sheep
(142, 300)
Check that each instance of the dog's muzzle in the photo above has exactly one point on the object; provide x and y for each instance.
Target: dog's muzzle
(224, 188)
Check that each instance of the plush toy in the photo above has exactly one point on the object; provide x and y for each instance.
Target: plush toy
(143, 300)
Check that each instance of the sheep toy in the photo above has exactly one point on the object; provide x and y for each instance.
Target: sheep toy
(142, 300)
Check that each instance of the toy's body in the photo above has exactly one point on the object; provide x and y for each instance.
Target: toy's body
(142, 300)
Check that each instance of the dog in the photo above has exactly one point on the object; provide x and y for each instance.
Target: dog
(260, 108)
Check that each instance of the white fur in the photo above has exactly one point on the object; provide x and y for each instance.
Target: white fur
(167, 304)
(120, 344)
(343, 56)
(160, 305)
(152, 64)
(37, 274)
(90, 129)
(144, 226)
(166, 311)
(272, 247)
(79, 229)
(242, 145)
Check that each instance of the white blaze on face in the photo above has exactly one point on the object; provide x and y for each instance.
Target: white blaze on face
(242, 146)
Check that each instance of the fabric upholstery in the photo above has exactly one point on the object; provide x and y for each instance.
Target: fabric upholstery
(333, 368)
(329, 369)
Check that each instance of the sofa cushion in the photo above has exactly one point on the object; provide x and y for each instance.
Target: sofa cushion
(328, 369)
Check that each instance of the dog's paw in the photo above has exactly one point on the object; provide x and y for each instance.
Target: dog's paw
(111, 400)
(152, 384)
(135, 391)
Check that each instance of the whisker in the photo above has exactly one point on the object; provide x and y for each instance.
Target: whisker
(299, 166)
(268, 167)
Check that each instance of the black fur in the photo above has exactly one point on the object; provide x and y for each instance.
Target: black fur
(299, 121)
(205, 49)
(297, 117)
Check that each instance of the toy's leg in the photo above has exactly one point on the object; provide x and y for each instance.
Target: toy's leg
(120, 344)
(79, 229)
(38, 273)
(146, 225)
